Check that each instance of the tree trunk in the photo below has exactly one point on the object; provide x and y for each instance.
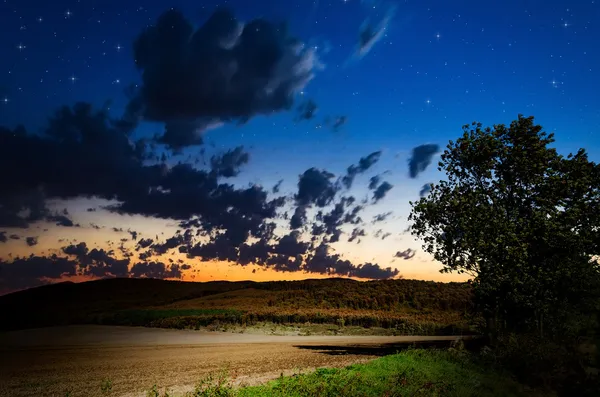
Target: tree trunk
(492, 329)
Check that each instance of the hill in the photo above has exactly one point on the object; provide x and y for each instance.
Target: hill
(410, 306)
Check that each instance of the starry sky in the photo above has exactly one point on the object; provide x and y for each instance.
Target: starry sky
(261, 140)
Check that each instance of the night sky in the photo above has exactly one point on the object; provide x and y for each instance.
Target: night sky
(261, 140)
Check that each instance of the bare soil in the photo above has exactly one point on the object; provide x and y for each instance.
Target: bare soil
(77, 359)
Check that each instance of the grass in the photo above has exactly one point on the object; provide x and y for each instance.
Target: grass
(414, 372)
(311, 323)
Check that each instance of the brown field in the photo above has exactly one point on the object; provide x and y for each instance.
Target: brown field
(53, 361)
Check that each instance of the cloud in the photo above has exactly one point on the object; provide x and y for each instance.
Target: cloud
(99, 158)
(33, 271)
(288, 254)
(222, 71)
(97, 262)
(104, 162)
(328, 224)
(336, 123)
(323, 262)
(421, 158)
(363, 165)
(316, 187)
(381, 217)
(406, 254)
(306, 110)
(61, 220)
(24, 206)
(156, 270)
(374, 182)
(381, 191)
(357, 232)
(31, 241)
(228, 165)
(371, 33)
(145, 242)
(425, 190)
(277, 186)
(172, 242)
(3, 237)
(179, 134)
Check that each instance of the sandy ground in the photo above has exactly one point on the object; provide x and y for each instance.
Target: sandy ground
(53, 361)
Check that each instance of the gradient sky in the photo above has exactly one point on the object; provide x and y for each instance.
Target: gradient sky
(429, 68)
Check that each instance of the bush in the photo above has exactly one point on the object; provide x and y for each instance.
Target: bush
(543, 363)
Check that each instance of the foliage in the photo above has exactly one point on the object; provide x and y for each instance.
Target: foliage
(213, 386)
(523, 221)
(544, 363)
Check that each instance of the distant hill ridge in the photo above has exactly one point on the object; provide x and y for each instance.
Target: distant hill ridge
(87, 302)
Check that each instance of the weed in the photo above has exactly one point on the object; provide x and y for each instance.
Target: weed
(155, 392)
(214, 386)
(106, 386)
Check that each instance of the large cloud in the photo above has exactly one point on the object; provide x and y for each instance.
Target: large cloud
(83, 154)
(33, 271)
(97, 262)
(288, 254)
(222, 71)
(80, 153)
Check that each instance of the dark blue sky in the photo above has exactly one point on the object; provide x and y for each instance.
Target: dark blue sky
(437, 66)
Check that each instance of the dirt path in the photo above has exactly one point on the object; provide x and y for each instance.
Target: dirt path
(52, 361)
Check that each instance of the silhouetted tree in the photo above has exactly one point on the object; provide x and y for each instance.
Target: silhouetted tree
(523, 221)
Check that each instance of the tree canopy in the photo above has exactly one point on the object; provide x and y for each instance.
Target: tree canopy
(522, 220)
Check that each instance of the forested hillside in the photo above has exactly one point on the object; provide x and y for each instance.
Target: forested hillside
(409, 305)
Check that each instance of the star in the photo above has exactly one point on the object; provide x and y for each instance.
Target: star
(39, 19)
(118, 47)
(21, 47)
(68, 14)
(5, 100)
(73, 78)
